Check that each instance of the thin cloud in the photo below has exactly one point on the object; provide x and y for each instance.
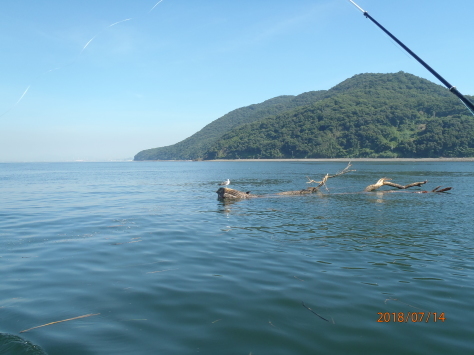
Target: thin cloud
(267, 31)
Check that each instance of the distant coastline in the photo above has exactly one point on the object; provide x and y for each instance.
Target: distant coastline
(349, 160)
(396, 160)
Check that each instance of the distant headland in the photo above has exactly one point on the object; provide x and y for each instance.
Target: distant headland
(383, 116)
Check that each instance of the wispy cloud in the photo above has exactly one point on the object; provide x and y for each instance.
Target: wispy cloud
(268, 30)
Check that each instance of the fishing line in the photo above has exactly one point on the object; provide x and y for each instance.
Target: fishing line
(74, 60)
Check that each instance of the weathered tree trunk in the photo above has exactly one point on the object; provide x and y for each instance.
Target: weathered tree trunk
(226, 193)
(384, 181)
(436, 189)
(307, 191)
(418, 184)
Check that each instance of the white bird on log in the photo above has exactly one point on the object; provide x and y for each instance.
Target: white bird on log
(225, 183)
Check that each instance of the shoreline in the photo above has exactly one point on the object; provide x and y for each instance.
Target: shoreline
(348, 160)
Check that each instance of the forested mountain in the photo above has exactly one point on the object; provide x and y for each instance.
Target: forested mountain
(196, 146)
(368, 115)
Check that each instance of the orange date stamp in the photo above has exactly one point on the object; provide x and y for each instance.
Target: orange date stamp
(413, 317)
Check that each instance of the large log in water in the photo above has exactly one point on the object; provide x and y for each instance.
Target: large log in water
(226, 193)
(307, 191)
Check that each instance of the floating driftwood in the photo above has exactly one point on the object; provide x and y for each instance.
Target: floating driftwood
(386, 182)
(225, 193)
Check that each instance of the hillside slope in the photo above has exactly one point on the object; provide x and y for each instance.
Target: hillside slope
(195, 146)
(368, 115)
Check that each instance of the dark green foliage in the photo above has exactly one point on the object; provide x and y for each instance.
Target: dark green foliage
(368, 115)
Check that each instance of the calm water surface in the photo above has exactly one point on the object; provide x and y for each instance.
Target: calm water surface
(165, 268)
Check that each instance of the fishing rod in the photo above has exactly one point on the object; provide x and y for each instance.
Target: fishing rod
(450, 87)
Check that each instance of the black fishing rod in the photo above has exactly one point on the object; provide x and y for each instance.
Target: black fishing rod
(450, 87)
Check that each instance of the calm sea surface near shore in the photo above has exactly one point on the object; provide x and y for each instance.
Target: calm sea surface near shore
(155, 264)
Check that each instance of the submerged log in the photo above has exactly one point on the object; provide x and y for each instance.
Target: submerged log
(307, 191)
(413, 184)
(436, 189)
(225, 193)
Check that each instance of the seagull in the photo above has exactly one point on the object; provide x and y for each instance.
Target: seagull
(225, 183)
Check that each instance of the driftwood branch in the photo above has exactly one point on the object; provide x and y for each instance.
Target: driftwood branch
(308, 190)
(327, 176)
(59, 321)
(225, 193)
(385, 182)
(417, 184)
(436, 189)
(377, 185)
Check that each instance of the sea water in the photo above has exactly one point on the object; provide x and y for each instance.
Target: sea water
(159, 266)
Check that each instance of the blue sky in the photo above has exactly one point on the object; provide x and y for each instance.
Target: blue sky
(101, 80)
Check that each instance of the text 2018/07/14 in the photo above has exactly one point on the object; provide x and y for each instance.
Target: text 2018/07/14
(414, 317)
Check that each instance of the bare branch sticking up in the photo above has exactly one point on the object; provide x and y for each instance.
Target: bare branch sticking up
(377, 185)
(327, 176)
